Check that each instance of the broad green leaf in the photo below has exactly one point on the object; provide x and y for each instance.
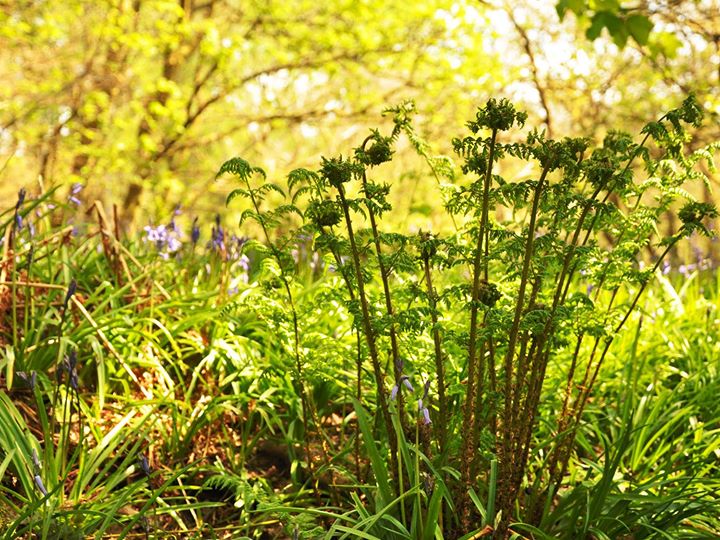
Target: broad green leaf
(639, 27)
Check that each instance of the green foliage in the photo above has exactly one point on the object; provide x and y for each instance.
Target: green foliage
(523, 310)
(620, 22)
(340, 377)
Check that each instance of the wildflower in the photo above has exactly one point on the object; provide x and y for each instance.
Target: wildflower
(75, 189)
(70, 366)
(144, 465)
(666, 268)
(404, 380)
(244, 263)
(29, 378)
(316, 263)
(421, 406)
(686, 270)
(235, 246)
(426, 416)
(36, 460)
(166, 239)
(40, 485)
(73, 379)
(194, 232)
(20, 199)
(217, 236)
(70, 292)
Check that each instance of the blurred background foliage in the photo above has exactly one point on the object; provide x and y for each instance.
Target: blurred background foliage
(142, 99)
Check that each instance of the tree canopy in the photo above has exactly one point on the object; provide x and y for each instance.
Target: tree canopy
(140, 99)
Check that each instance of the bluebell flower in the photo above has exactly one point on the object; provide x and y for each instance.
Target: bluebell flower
(686, 269)
(426, 416)
(21, 198)
(70, 366)
(316, 263)
(36, 460)
(70, 292)
(405, 381)
(166, 239)
(144, 464)
(195, 232)
(217, 236)
(40, 485)
(422, 409)
(244, 263)
(235, 246)
(29, 378)
(666, 268)
(75, 189)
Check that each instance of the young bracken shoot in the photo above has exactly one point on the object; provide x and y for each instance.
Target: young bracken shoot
(543, 269)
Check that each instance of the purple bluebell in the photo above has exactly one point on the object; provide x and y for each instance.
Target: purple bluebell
(144, 464)
(176, 212)
(29, 378)
(70, 292)
(422, 409)
(73, 380)
(666, 268)
(75, 189)
(165, 238)
(21, 198)
(316, 263)
(36, 460)
(40, 485)
(195, 232)
(686, 269)
(217, 236)
(244, 263)
(405, 381)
